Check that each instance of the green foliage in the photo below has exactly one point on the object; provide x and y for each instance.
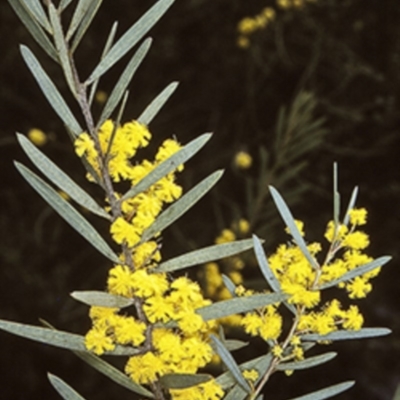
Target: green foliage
(56, 338)
(238, 305)
(168, 165)
(65, 391)
(204, 255)
(69, 213)
(230, 363)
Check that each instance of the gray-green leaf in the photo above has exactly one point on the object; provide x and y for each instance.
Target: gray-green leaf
(124, 81)
(379, 262)
(66, 211)
(113, 373)
(168, 165)
(86, 21)
(229, 285)
(50, 91)
(307, 363)
(351, 205)
(172, 213)
(236, 393)
(108, 370)
(230, 363)
(79, 13)
(267, 272)
(130, 38)
(155, 106)
(238, 305)
(204, 255)
(62, 50)
(59, 178)
(261, 364)
(327, 392)
(101, 299)
(64, 4)
(345, 334)
(107, 46)
(36, 9)
(34, 28)
(64, 340)
(233, 344)
(63, 389)
(183, 381)
(289, 221)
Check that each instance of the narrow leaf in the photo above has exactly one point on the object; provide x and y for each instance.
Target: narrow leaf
(261, 364)
(121, 109)
(64, 4)
(155, 106)
(64, 340)
(327, 392)
(183, 381)
(66, 211)
(289, 221)
(61, 47)
(107, 46)
(236, 393)
(63, 389)
(79, 13)
(101, 299)
(204, 255)
(230, 363)
(178, 208)
(86, 21)
(379, 262)
(50, 91)
(130, 38)
(124, 81)
(351, 205)
(108, 370)
(233, 344)
(336, 197)
(36, 9)
(59, 178)
(267, 272)
(238, 305)
(307, 363)
(345, 335)
(34, 29)
(168, 165)
(229, 285)
(113, 373)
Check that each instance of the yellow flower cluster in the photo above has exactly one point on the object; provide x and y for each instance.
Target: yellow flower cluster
(243, 160)
(296, 4)
(301, 282)
(209, 390)
(37, 137)
(266, 323)
(211, 275)
(118, 146)
(163, 326)
(249, 25)
(183, 348)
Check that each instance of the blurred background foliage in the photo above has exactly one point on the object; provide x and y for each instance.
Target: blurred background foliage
(315, 84)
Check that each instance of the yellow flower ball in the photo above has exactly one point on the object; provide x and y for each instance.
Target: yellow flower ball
(101, 96)
(37, 137)
(243, 160)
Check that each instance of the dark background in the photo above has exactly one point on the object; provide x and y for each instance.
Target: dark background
(345, 52)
